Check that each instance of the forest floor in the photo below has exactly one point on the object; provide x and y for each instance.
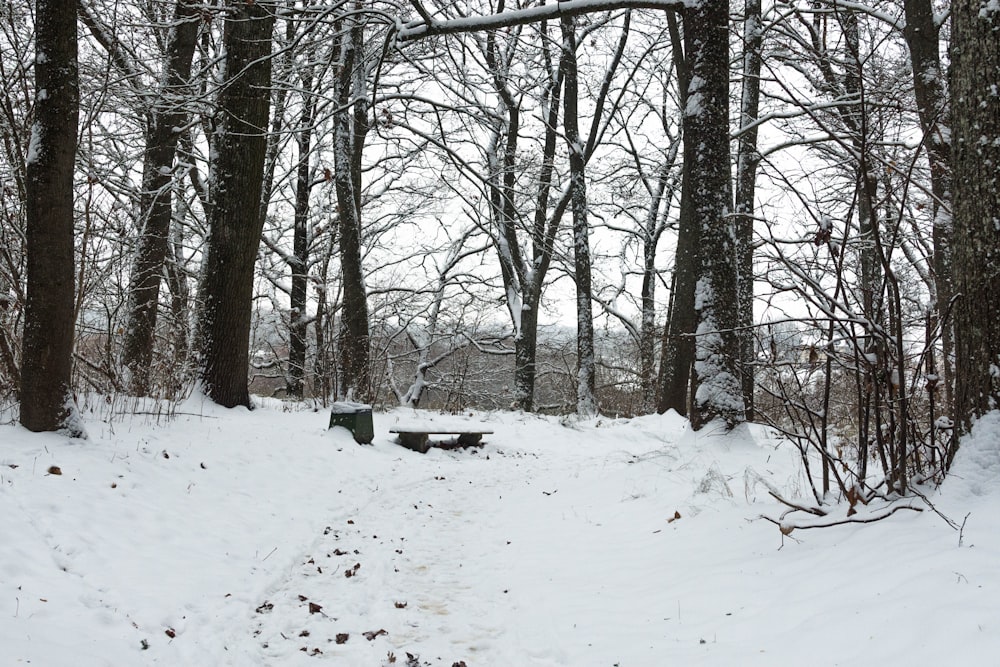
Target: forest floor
(228, 537)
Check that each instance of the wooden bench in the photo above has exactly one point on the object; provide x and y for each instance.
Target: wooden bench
(417, 437)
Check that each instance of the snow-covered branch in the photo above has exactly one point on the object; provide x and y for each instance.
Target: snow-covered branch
(419, 28)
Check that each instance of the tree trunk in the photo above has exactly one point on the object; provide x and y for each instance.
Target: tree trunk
(235, 223)
(586, 403)
(525, 347)
(921, 35)
(677, 346)
(46, 400)
(298, 322)
(746, 178)
(655, 223)
(975, 108)
(717, 386)
(354, 381)
(162, 133)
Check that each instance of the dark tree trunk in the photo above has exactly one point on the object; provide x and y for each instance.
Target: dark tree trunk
(586, 403)
(354, 381)
(46, 400)
(525, 349)
(655, 223)
(155, 205)
(975, 109)
(235, 223)
(298, 323)
(717, 384)
(677, 346)
(746, 180)
(921, 35)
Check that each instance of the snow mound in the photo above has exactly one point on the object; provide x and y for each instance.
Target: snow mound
(977, 463)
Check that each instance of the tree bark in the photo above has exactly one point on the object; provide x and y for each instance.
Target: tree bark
(348, 139)
(677, 346)
(717, 385)
(586, 403)
(975, 108)
(922, 39)
(46, 399)
(746, 179)
(235, 223)
(298, 322)
(155, 204)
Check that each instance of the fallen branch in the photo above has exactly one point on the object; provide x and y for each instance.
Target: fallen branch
(786, 527)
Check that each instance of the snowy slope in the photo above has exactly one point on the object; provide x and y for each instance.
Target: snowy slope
(227, 537)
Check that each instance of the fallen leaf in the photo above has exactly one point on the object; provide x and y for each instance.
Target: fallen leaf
(400, 605)
(315, 608)
(267, 606)
(676, 516)
(372, 634)
(302, 598)
(170, 633)
(55, 470)
(342, 637)
(304, 633)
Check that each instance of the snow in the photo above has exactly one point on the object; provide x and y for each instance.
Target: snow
(205, 536)
(34, 144)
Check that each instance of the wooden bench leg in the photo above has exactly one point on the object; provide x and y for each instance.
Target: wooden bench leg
(416, 441)
(470, 439)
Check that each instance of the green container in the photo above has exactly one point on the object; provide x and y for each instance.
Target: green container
(356, 418)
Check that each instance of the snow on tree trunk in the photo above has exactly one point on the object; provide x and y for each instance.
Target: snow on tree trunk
(349, 132)
(746, 177)
(718, 391)
(586, 403)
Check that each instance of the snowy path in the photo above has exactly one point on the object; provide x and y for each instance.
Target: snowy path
(514, 554)
(226, 538)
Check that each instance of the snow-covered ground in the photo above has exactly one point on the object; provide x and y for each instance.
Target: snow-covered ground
(227, 537)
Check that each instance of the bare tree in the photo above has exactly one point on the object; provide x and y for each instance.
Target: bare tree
(717, 383)
(586, 403)
(164, 124)
(350, 126)
(47, 403)
(239, 147)
(747, 162)
(929, 89)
